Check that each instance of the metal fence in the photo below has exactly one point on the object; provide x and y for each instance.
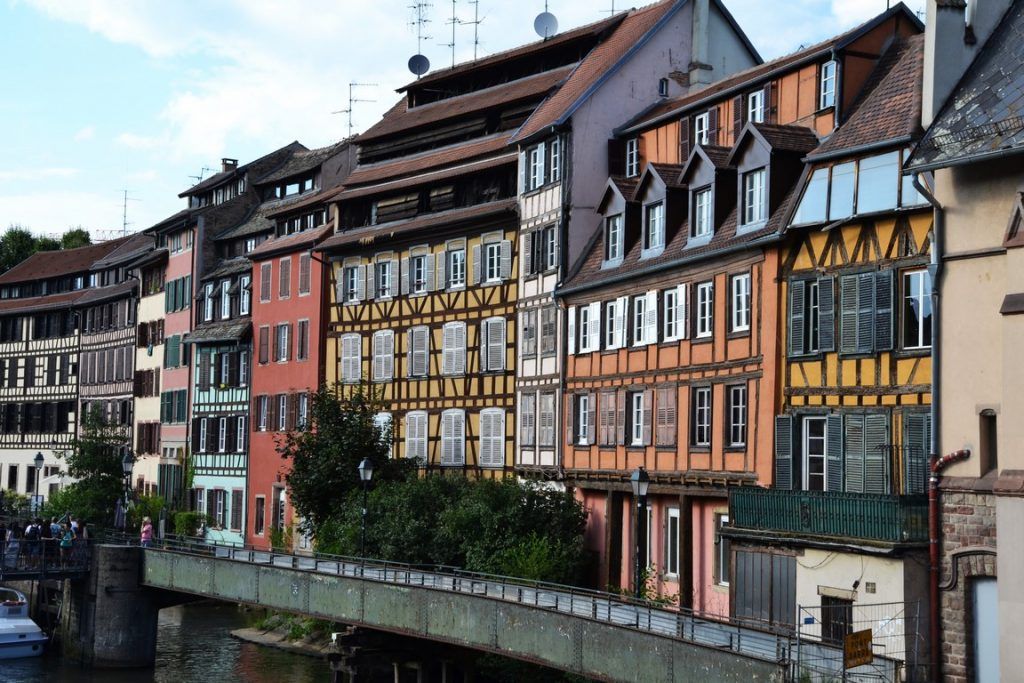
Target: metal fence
(896, 641)
(43, 558)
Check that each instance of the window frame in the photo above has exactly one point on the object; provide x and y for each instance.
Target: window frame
(705, 319)
(737, 397)
(755, 197)
(805, 454)
(703, 225)
(491, 272)
(632, 162)
(382, 279)
(701, 398)
(244, 295)
(635, 406)
(755, 106)
(614, 249)
(650, 245)
(456, 266)
(827, 84)
(582, 422)
(702, 128)
(672, 559)
(740, 303)
(723, 548)
(924, 299)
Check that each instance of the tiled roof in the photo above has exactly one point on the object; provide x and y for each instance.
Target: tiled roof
(300, 240)
(256, 223)
(41, 303)
(889, 107)
(799, 139)
(135, 246)
(47, 264)
(98, 294)
(401, 118)
(437, 158)
(626, 186)
(304, 161)
(239, 264)
(671, 174)
(225, 331)
(429, 177)
(218, 178)
(377, 234)
(743, 79)
(627, 37)
(595, 29)
(984, 117)
(718, 156)
(303, 201)
(173, 220)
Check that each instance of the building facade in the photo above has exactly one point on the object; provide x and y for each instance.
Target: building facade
(163, 478)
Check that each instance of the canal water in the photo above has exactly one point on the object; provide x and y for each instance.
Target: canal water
(194, 644)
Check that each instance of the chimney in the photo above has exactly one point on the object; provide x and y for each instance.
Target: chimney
(228, 164)
(700, 35)
(955, 30)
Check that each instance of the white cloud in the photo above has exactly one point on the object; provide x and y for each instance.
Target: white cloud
(36, 174)
(138, 142)
(86, 133)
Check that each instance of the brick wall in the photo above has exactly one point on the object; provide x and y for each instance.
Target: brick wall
(968, 522)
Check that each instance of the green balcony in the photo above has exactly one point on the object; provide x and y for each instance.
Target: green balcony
(826, 515)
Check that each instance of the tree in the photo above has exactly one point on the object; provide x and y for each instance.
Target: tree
(16, 245)
(45, 243)
(326, 456)
(95, 461)
(75, 237)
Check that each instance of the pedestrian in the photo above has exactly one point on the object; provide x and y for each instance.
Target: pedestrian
(74, 524)
(47, 542)
(67, 540)
(146, 535)
(32, 536)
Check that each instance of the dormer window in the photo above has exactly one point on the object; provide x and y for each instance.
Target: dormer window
(613, 238)
(225, 299)
(755, 208)
(555, 165)
(250, 244)
(702, 223)
(701, 126)
(827, 85)
(755, 106)
(654, 226)
(632, 157)
(536, 167)
(208, 302)
(853, 188)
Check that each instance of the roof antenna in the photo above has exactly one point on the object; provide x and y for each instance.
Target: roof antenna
(352, 100)
(454, 21)
(612, 10)
(418, 63)
(124, 212)
(546, 25)
(476, 26)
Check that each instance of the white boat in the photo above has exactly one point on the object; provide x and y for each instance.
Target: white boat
(19, 635)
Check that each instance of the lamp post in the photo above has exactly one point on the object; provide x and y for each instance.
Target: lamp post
(127, 463)
(640, 481)
(38, 462)
(365, 476)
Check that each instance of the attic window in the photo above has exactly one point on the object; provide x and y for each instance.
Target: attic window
(702, 225)
(663, 87)
(632, 157)
(827, 91)
(613, 238)
(755, 106)
(701, 125)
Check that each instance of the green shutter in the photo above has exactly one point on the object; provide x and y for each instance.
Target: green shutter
(827, 314)
(797, 301)
(186, 291)
(876, 453)
(865, 312)
(784, 452)
(854, 453)
(917, 438)
(834, 444)
(883, 311)
(848, 314)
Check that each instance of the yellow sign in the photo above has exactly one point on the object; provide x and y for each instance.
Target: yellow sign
(857, 649)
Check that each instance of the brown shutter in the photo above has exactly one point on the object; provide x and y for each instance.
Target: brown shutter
(771, 104)
(713, 125)
(570, 414)
(738, 115)
(592, 420)
(620, 416)
(195, 435)
(684, 139)
(293, 407)
(204, 370)
(648, 415)
(616, 157)
(264, 343)
(304, 267)
(232, 378)
(231, 443)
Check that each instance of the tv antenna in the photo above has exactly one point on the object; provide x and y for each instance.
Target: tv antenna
(454, 21)
(546, 25)
(476, 26)
(352, 100)
(612, 10)
(202, 174)
(418, 63)
(124, 211)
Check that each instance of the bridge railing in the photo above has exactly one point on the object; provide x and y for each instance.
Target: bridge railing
(22, 558)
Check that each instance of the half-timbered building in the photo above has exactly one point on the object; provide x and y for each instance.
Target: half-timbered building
(660, 51)
(39, 362)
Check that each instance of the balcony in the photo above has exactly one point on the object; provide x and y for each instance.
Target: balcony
(830, 516)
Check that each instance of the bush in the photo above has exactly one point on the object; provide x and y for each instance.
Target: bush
(189, 523)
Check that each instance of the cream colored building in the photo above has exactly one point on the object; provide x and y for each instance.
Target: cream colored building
(149, 359)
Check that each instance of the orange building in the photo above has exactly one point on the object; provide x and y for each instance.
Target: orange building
(673, 311)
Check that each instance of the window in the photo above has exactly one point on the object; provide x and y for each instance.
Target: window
(836, 619)
(202, 435)
(259, 516)
(878, 182)
(492, 345)
(827, 89)
(548, 330)
(583, 423)
(302, 349)
(351, 358)
(662, 87)
(418, 274)
(453, 353)
(815, 450)
(701, 126)
(303, 416)
(282, 412)
(383, 355)
(811, 316)
(840, 199)
(672, 542)
(528, 343)
(737, 428)
(492, 262)
(815, 200)
(865, 312)
(740, 285)
(265, 281)
(282, 342)
(492, 437)
(546, 432)
(243, 368)
(382, 421)
(383, 273)
(453, 437)
(419, 351)
(755, 208)
(457, 268)
(285, 285)
(262, 408)
(222, 434)
(245, 295)
(208, 302)
(536, 167)
(722, 548)
(225, 368)
(636, 418)
(613, 324)
(351, 286)
(700, 431)
(416, 436)
(632, 157)
(527, 419)
(555, 161)
(590, 328)
(917, 310)
(705, 309)
(702, 224)
(755, 106)
(654, 234)
(674, 313)
(613, 238)
(250, 244)
(240, 433)
(305, 274)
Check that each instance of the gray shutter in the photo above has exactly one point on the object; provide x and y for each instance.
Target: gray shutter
(360, 283)
(848, 314)
(570, 414)
(827, 314)
(592, 420)
(496, 344)
(865, 312)
(405, 276)
(485, 364)
(394, 278)
(854, 460)
(428, 272)
(339, 289)
(883, 310)
(876, 453)
(528, 252)
(506, 259)
(476, 265)
(784, 452)
(620, 416)
(441, 271)
(371, 276)
(797, 296)
(834, 444)
(647, 416)
(917, 436)
(571, 334)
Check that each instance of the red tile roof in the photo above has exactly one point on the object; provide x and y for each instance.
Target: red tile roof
(47, 264)
(627, 37)
(300, 240)
(41, 303)
(799, 139)
(428, 177)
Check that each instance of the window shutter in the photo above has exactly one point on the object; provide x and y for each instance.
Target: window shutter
(854, 455)
(293, 410)
(405, 276)
(339, 288)
(784, 452)
(496, 344)
(826, 314)
(594, 325)
(394, 284)
(572, 330)
(448, 350)
(196, 426)
(666, 412)
(389, 355)
(506, 259)
(865, 312)
(917, 438)
(682, 324)
(285, 283)
(264, 344)
(272, 413)
(876, 453)
(236, 509)
(713, 125)
(651, 318)
(834, 444)
(592, 419)
(491, 433)
(797, 301)
(737, 116)
(204, 370)
(619, 321)
(616, 157)
(211, 505)
(440, 271)
(771, 104)
(460, 349)
(620, 416)
(522, 172)
(360, 283)
(476, 265)
(647, 416)
(421, 351)
(304, 273)
(371, 278)
(848, 314)
(428, 272)
(883, 311)
(527, 252)
(684, 139)
(570, 416)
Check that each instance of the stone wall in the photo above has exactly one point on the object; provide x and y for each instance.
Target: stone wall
(968, 550)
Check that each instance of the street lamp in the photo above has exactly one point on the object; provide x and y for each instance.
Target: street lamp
(640, 481)
(127, 463)
(365, 476)
(39, 468)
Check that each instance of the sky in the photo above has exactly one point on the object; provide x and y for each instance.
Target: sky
(102, 96)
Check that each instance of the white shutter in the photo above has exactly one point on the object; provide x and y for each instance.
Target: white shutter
(419, 344)
(492, 437)
(621, 316)
(682, 324)
(339, 288)
(460, 349)
(371, 274)
(572, 330)
(394, 278)
(447, 445)
(440, 271)
(496, 344)
(651, 318)
(428, 266)
(448, 349)
(522, 172)
(476, 265)
(543, 163)
(361, 283)
(404, 281)
(506, 259)
(389, 355)
(416, 436)
(378, 363)
(594, 335)
(453, 434)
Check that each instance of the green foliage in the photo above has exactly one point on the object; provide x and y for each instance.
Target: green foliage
(145, 506)
(16, 245)
(13, 502)
(325, 458)
(188, 523)
(648, 589)
(281, 539)
(47, 244)
(75, 237)
(94, 459)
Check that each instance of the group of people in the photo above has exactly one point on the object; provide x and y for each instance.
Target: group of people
(38, 544)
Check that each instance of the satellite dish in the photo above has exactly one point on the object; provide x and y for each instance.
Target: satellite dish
(419, 65)
(546, 25)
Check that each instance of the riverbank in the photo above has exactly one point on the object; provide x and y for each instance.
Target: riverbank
(311, 647)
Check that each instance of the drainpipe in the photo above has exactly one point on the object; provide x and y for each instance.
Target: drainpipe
(935, 556)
